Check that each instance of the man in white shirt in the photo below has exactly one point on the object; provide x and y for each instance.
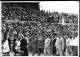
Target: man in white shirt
(47, 46)
(6, 47)
(59, 45)
(67, 45)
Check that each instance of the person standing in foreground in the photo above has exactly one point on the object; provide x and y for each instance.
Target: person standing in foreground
(17, 47)
(59, 45)
(12, 41)
(36, 49)
(64, 44)
(54, 47)
(47, 46)
(67, 45)
(23, 47)
(5, 46)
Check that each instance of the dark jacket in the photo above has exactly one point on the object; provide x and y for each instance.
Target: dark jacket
(23, 44)
(23, 47)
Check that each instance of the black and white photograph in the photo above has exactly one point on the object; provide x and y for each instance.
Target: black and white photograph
(40, 28)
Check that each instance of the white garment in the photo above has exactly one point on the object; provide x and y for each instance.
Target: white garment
(18, 45)
(47, 46)
(74, 42)
(57, 43)
(67, 45)
(68, 42)
(6, 47)
(47, 43)
(60, 46)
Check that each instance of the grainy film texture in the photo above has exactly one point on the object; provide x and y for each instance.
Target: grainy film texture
(31, 29)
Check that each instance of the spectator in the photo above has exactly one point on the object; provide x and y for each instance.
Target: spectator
(59, 45)
(36, 45)
(47, 46)
(23, 47)
(6, 49)
(54, 47)
(67, 45)
(17, 47)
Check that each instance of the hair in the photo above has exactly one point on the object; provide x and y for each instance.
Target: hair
(70, 37)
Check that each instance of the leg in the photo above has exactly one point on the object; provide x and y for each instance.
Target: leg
(34, 52)
(60, 52)
(45, 51)
(48, 51)
(66, 52)
(26, 52)
(39, 52)
(57, 51)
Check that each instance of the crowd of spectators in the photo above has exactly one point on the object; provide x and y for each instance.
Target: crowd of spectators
(34, 24)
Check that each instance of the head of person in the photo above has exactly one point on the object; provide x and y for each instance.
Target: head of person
(59, 36)
(70, 37)
(73, 37)
(64, 36)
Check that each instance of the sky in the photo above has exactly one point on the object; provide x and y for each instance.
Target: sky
(60, 6)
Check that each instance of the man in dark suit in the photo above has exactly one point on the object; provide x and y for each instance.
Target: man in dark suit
(23, 47)
(36, 49)
(54, 47)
